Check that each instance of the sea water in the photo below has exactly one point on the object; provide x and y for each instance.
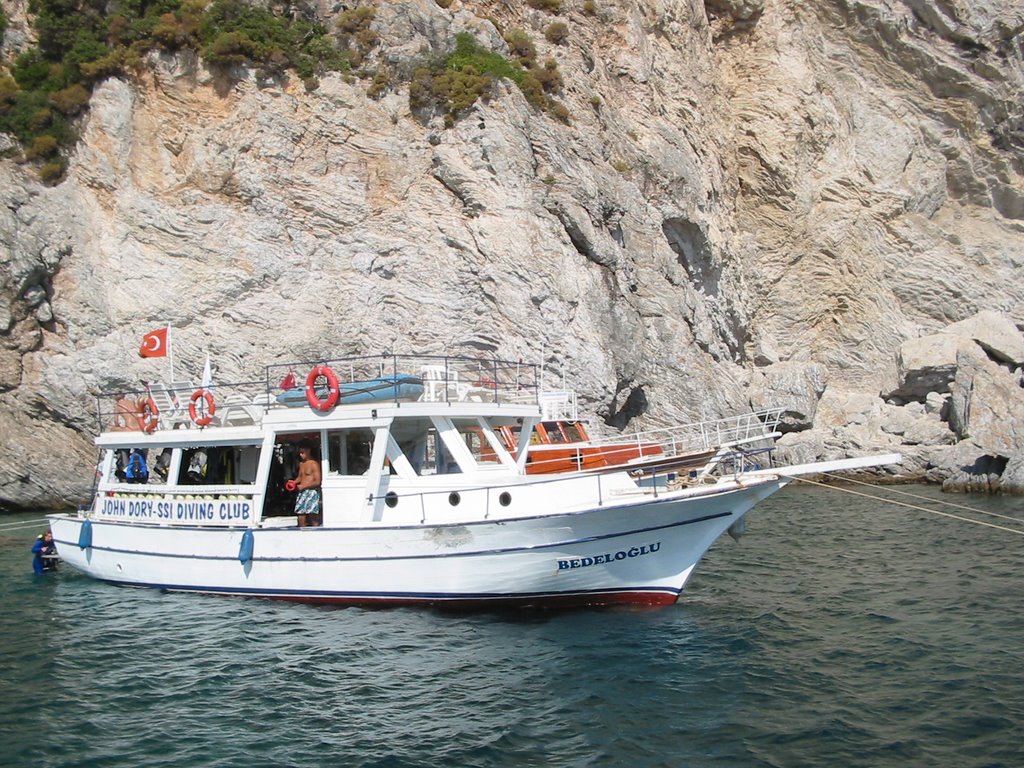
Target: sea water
(839, 631)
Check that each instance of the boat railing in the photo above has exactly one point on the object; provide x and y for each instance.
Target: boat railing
(558, 405)
(403, 378)
(703, 435)
(182, 405)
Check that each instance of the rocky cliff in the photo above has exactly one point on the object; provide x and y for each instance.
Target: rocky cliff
(753, 202)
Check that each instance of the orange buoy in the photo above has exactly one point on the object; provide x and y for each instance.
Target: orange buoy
(333, 392)
(193, 409)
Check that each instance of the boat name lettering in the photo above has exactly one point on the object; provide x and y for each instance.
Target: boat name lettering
(152, 509)
(622, 554)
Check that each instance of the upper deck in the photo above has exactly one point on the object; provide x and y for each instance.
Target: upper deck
(322, 390)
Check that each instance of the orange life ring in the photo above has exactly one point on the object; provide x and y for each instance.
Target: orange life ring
(211, 407)
(149, 415)
(333, 392)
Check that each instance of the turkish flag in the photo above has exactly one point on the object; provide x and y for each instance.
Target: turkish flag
(154, 344)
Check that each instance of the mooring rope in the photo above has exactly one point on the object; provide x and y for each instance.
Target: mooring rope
(16, 524)
(952, 504)
(908, 506)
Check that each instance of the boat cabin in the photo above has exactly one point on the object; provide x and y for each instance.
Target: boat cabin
(386, 455)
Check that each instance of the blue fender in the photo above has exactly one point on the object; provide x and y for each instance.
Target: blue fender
(85, 535)
(245, 549)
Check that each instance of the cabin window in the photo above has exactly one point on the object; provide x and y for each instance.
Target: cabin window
(219, 465)
(478, 445)
(161, 466)
(553, 433)
(135, 467)
(349, 451)
(198, 465)
(574, 432)
(436, 458)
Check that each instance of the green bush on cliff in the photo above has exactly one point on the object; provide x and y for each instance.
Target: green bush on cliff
(355, 33)
(28, 114)
(83, 41)
(454, 83)
(234, 32)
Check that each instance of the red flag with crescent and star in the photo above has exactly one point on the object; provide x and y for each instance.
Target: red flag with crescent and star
(154, 344)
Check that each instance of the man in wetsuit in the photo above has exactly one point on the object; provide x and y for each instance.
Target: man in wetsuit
(307, 482)
(44, 553)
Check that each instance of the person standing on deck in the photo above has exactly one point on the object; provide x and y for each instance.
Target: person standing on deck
(307, 482)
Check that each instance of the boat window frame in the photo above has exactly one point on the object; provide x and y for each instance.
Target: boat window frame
(109, 482)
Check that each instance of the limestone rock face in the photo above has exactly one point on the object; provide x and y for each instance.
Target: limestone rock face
(928, 364)
(738, 10)
(1011, 479)
(993, 332)
(987, 405)
(795, 387)
(753, 203)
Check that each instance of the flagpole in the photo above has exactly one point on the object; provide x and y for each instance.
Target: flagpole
(170, 354)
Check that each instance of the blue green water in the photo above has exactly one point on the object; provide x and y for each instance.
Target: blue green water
(838, 632)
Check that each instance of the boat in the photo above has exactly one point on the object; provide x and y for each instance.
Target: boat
(423, 500)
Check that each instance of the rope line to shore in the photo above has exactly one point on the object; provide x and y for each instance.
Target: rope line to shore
(16, 524)
(953, 504)
(23, 527)
(904, 504)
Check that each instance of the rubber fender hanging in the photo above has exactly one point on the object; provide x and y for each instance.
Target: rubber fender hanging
(85, 535)
(245, 548)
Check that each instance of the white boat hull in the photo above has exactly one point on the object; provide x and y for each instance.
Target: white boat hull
(629, 553)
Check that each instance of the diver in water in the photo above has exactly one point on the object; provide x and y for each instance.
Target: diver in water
(44, 553)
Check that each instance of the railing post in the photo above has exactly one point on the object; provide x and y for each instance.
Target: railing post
(394, 375)
(494, 378)
(447, 397)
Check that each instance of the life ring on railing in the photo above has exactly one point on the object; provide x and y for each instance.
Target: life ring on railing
(333, 392)
(149, 415)
(193, 410)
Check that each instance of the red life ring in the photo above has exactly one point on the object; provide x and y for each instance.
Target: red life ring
(333, 392)
(149, 415)
(211, 407)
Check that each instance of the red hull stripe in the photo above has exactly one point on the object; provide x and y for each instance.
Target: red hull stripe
(638, 596)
